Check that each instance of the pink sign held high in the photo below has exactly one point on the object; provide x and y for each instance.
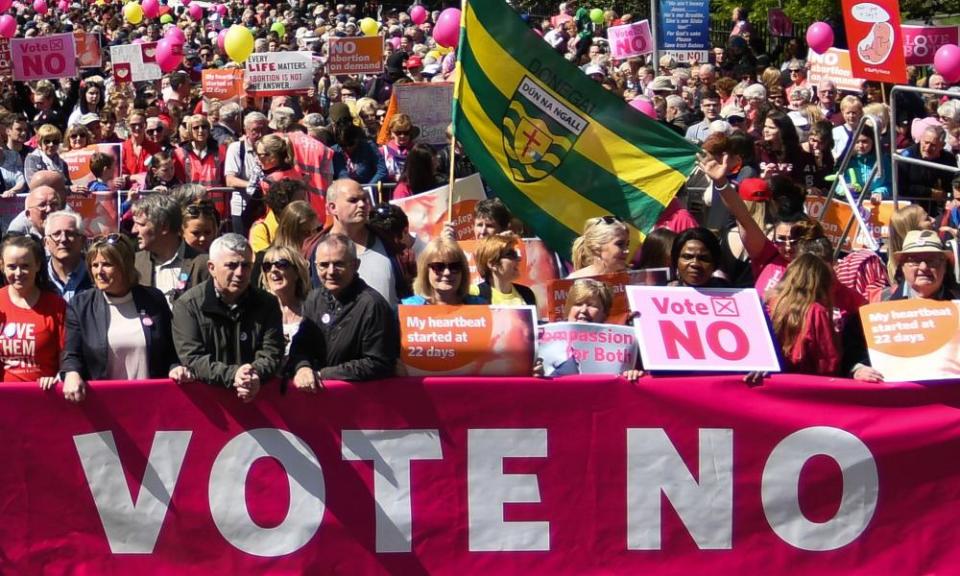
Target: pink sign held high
(44, 57)
(630, 40)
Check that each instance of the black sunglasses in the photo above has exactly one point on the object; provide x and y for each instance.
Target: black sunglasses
(154, 130)
(201, 208)
(438, 267)
(281, 264)
(608, 220)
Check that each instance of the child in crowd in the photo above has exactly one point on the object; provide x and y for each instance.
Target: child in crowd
(103, 168)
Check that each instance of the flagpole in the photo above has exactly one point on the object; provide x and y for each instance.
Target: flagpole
(453, 121)
(655, 33)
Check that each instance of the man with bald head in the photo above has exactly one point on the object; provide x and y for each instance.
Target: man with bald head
(46, 180)
(40, 203)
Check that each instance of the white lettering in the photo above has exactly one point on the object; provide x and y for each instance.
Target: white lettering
(391, 452)
(131, 528)
(706, 508)
(227, 492)
(779, 490)
(488, 489)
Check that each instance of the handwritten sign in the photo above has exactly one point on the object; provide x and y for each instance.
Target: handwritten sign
(279, 73)
(913, 339)
(44, 57)
(430, 107)
(837, 213)
(630, 40)
(361, 55)
(467, 340)
(716, 329)
(139, 60)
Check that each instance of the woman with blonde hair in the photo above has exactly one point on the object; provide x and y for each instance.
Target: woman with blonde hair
(284, 274)
(498, 263)
(78, 137)
(275, 154)
(367, 111)
(46, 156)
(801, 311)
(602, 249)
(297, 222)
(908, 218)
(443, 276)
(402, 136)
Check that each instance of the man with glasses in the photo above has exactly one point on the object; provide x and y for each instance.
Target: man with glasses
(710, 106)
(227, 129)
(227, 332)
(348, 332)
(39, 204)
(240, 167)
(165, 261)
(64, 243)
(827, 98)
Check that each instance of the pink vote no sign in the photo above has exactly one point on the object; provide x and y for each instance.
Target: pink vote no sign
(716, 329)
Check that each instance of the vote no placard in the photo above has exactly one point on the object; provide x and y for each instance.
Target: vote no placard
(715, 329)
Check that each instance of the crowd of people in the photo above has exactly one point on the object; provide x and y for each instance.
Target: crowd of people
(298, 275)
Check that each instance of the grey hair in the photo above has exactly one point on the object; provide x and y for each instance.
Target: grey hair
(252, 118)
(709, 68)
(938, 131)
(950, 109)
(335, 240)
(677, 102)
(62, 214)
(334, 189)
(755, 91)
(230, 111)
(160, 210)
(188, 193)
(231, 242)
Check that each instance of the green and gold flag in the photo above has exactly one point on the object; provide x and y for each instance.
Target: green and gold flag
(554, 145)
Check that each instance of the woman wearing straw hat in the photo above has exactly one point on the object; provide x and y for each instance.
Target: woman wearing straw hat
(923, 262)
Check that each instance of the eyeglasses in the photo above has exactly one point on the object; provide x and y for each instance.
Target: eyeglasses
(52, 206)
(135, 126)
(77, 136)
(155, 131)
(511, 255)
(915, 260)
(438, 267)
(785, 240)
(199, 128)
(281, 264)
(401, 132)
(200, 208)
(609, 220)
(67, 235)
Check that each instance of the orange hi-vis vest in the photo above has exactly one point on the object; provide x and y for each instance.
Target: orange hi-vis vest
(315, 162)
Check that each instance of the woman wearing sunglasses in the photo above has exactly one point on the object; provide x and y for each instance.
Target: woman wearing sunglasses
(120, 330)
(498, 263)
(284, 274)
(78, 137)
(47, 155)
(442, 276)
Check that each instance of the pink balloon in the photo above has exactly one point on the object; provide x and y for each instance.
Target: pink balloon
(645, 106)
(8, 26)
(447, 30)
(40, 6)
(63, 6)
(195, 11)
(151, 8)
(820, 37)
(947, 62)
(221, 37)
(418, 14)
(185, 2)
(396, 43)
(221, 10)
(169, 55)
(175, 35)
(5, 5)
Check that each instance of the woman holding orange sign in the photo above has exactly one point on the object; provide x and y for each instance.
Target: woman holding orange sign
(442, 276)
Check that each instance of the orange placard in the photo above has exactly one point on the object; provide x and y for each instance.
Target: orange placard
(620, 310)
(876, 216)
(360, 55)
(223, 84)
(78, 161)
(427, 212)
(467, 340)
(833, 65)
(927, 332)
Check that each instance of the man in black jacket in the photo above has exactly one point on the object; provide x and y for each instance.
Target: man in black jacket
(227, 332)
(349, 332)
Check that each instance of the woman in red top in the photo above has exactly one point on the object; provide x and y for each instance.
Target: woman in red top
(32, 318)
(801, 313)
(137, 149)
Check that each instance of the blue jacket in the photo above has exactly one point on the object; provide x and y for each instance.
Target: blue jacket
(366, 165)
(861, 165)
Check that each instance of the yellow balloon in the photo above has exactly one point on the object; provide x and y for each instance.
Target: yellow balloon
(238, 43)
(133, 13)
(369, 27)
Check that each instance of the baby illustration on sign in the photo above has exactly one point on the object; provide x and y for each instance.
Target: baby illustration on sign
(875, 47)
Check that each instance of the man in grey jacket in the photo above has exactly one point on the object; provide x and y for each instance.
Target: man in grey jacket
(227, 332)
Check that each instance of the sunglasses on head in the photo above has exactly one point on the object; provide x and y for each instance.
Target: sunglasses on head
(438, 267)
(608, 220)
(280, 264)
(203, 207)
(108, 240)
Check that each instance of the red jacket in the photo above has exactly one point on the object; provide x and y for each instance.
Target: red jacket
(206, 171)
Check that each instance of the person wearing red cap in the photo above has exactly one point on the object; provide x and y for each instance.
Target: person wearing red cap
(414, 66)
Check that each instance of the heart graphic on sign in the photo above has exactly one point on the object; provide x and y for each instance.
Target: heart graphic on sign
(150, 52)
(122, 73)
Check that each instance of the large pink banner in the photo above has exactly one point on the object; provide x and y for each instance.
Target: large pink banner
(584, 475)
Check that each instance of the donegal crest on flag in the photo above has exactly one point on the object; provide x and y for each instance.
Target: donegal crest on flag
(554, 145)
